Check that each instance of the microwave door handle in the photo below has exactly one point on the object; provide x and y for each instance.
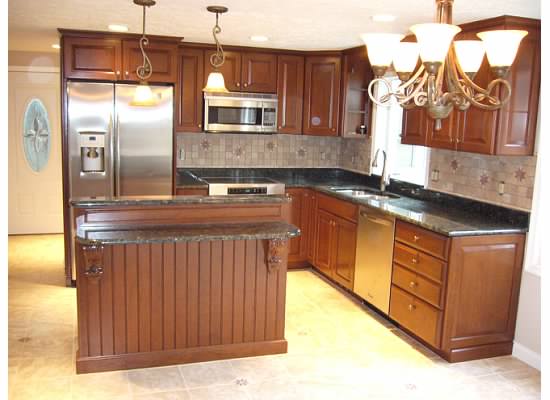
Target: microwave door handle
(263, 105)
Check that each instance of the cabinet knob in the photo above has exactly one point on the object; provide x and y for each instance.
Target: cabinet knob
(415, 259)
(199, 125)
(117, 73)
(333, 129)
(411, 307)
(416, 238)
(238, 84)
(280, 127)
(413, 284)
(245, 84)
(127, 73)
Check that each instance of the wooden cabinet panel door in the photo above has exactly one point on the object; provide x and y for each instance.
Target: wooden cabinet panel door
(189, 98)
(290, 93)
(259, 72)
(312, 225)
(478, 128)
(324, 241)
(343, 257)
(483, 288)
(446, 137)
(297, 249)
(231, 69)
(414, 126)
(518, 119)
(163, 57)
(321, 95)
(92, 58)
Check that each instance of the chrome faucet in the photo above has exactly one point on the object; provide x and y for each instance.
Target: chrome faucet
(384, 180)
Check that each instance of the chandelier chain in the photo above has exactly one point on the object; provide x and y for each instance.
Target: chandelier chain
(144, 71)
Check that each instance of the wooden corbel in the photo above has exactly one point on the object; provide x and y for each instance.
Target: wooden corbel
(93, 261)
(275, 253)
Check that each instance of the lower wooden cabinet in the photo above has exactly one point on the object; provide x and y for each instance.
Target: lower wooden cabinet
(335, 239)
(299, 216)
(459, 295)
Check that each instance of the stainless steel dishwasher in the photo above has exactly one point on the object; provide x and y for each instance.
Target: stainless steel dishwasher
(373, 259)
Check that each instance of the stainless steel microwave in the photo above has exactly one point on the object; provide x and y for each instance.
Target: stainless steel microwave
(240, 112)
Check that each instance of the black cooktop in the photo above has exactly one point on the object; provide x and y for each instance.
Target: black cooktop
(240, 180)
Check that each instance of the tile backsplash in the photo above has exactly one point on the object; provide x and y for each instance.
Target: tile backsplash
(479, 177)
(470, 175)
(241, 150)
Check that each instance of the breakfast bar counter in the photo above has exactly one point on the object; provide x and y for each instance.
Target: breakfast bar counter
(171, 280)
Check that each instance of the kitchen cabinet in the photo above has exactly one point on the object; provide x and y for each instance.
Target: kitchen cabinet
(322, 95)
(112, 58)
(246, 71)
(311, 212)
(508, 131)
(189, 95)
(355, 104)
(191, 192)
(163, 57)
(299, 216)
(92, 58)
(335, 239)
(290, 93)
(459, 295)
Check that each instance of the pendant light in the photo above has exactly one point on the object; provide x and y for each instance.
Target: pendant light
(215, 82)
(143, 95)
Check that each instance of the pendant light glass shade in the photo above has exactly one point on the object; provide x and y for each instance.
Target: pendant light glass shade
(501, 46)
(434, 40)
(143, 96)
(405, 57)
(381, 48)
(469, 54)
(215, 83)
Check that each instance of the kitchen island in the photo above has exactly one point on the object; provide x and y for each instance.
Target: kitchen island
(169, 280)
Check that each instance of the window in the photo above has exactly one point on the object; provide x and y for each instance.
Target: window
(405, 162)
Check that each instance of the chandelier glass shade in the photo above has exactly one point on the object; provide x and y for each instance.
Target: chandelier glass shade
(444, 77)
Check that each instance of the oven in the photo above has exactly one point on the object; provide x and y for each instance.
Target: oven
(240, 112)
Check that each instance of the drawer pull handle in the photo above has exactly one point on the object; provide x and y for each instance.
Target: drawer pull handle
(416, 238)
(413, 284)
(411, 307)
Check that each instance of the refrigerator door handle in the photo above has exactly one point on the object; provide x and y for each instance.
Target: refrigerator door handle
(111, 152)
(117, 156)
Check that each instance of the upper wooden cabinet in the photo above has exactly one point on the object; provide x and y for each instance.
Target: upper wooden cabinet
(355, 104)
(189, 96)
(508, 131)
(105, 57)
(322, 95)
(92, 58)
(163, 57)
(290, 93)
(246, 71)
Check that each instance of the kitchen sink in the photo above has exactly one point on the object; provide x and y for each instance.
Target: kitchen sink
(366, 194)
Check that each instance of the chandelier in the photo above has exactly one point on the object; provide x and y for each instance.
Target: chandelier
(445, 78)
(143, 95)
(215, 82)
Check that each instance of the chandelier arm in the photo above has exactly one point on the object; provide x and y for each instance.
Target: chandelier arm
(483, 94)
(414, 93)
(144, 71)
(383, 101)
(412, 79)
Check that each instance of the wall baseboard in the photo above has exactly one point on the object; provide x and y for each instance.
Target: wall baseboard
(526, 355)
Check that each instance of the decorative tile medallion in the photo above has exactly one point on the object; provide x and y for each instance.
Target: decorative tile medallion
(205, 144)
(454, 164)
(271, 146)
(484, 179)
(520, 174)
(239, 152)
(301, 152)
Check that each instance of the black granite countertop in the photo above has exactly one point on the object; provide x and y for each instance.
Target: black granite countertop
(90, 202)
(188, 233)
(442, 213)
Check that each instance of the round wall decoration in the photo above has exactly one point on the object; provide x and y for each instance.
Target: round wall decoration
(36, 135)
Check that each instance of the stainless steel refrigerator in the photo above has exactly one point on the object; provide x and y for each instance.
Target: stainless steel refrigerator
(116, 148)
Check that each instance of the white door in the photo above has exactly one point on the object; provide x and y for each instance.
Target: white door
(35, 199)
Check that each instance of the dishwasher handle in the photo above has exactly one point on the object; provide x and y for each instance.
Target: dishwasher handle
(376, 220)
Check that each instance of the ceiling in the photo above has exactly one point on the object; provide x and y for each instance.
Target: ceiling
(290, 24)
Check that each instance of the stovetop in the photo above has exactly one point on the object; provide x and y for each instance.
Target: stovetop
(225, 180)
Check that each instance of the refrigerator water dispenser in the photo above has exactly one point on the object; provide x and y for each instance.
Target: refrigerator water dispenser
(92, 151)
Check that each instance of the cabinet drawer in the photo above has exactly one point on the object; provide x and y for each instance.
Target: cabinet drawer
(417, 316)
(422, 239)
(337, 207)
(418, 261)
(417, 285)
(191, 192)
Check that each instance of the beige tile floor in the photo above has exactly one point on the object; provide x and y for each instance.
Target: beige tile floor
(337, 350)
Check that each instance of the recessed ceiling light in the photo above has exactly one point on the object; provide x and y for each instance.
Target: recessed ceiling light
(259, 38)
(118, 27)
(383, 18)
(56, 46)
